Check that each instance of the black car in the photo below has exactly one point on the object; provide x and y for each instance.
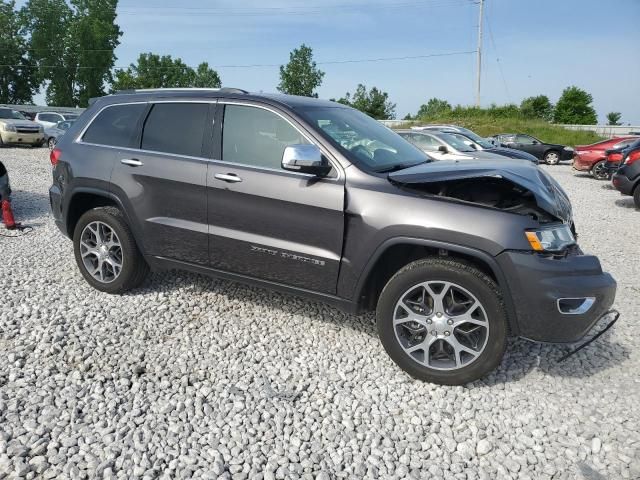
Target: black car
(320, 200)
(550, 153)
(627, 178)
(616, 157)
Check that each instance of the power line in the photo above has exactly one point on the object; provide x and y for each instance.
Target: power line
(265, 65)
(495, 50)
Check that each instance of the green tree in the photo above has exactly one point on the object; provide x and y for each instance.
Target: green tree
(574, 107)
(73, 46)
(18, 82)
(300, 76)
(537, 107)
(155, 71)
(434, 108)
(374, 102)
(613, 118)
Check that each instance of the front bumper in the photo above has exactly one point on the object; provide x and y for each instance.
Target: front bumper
(538, 283)
(566, 154)
(13, 138)
(581, 164)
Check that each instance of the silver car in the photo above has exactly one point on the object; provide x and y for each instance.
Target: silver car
(52, 134)
(444, 146)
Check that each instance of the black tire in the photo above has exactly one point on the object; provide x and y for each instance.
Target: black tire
(134, 267)
(51, 143)
(636, 196)
(552, 157)
(466, 276)
(598, 171)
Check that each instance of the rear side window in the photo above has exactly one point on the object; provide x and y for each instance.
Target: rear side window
(115, 126)
(176, 128)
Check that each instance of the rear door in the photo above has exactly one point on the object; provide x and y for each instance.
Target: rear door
(265, 222)
(164, 180)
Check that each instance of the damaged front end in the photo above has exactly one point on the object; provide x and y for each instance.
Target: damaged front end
(509, 186)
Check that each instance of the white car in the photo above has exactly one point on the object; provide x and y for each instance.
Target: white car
(443, 146)
(51, 119)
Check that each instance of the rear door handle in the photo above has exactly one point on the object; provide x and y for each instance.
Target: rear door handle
(228, 177)
(132, 162)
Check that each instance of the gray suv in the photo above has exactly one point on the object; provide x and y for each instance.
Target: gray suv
(317, 199)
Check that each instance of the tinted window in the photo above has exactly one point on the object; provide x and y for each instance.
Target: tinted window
(524, 139)
(115, 126)
(255, 136)
(50, 117)
(176, 128)
(11, 114)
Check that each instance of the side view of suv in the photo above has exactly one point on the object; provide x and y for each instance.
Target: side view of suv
(317, 199)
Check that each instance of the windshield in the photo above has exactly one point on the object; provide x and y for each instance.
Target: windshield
(455, 141)
(362, 139)
(11, 114)
(476, 138)
(70, 116)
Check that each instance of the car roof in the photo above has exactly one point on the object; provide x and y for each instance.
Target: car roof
(291, 101)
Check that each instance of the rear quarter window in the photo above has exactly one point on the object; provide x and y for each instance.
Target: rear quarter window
(115, 126)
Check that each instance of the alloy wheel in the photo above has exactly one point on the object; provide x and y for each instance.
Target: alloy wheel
(441, 325)
(101, 252)
(552, 158)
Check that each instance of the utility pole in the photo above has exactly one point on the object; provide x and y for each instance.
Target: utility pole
(479, 54)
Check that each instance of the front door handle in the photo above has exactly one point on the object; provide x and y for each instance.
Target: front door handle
(228, 177)
(132, 162)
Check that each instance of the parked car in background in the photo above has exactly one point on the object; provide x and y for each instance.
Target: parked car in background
(616, 156)
(627, 178)
(592, 158)
(28, 115)
(443, 146)
(550, 153)
(51, 119)
(318, 199)
(52, 134)
(16, 129)
(477, 142)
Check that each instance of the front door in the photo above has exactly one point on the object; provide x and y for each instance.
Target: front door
(265, 222)
(164, 181)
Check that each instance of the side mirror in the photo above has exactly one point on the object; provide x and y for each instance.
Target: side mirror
(443, 149)
(534, 142)
(305, 159)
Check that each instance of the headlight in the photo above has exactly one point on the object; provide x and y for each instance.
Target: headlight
(569, 149)
(7, 127)
(553, 239)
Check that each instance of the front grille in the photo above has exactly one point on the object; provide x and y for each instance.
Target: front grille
(27, 130)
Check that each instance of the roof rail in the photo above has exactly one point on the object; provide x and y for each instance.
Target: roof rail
(160, 90)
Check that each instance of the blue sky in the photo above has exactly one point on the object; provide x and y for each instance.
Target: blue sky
(543, 45)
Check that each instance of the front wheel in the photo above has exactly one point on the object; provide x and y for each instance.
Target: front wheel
(106, 252)
(552, 157)
(599, 170)
(51, 143)
(442, 321)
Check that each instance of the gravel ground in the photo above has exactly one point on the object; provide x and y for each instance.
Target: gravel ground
(193, 377)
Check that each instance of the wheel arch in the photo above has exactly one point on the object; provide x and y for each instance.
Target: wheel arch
(397, 252)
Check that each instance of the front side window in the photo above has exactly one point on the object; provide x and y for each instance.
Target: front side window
(176, 128)
(257, 137)
(425, 142)
(525, 139)
(362, 139)
(50, 117)
(115, 126)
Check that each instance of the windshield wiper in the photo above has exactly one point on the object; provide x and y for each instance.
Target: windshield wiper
(401, 166)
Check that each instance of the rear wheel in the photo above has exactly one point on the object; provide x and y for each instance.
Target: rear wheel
(106, 252)
(599, 170)
(552, 157)
(442, 321)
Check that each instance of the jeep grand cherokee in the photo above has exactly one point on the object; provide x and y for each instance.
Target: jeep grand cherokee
(318, 199)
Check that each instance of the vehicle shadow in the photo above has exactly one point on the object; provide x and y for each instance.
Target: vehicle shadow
(28, 206)
(607, 186)
(522, 357)
(582, 175)
(626, 203)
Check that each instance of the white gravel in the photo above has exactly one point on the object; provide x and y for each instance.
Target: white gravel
(193, 377)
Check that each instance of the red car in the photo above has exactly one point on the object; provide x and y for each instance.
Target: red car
(591, 158)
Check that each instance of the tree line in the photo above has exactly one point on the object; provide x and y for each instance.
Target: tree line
(66, 47)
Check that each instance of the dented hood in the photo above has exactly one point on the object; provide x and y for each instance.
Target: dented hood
(548, 193)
